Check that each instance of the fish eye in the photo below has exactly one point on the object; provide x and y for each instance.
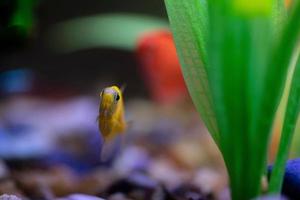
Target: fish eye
(117, 97)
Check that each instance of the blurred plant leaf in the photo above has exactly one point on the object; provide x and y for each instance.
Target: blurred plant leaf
(279, 15)
(276, 76)
(289, 125)
(119, 31)
(295, 150)
(23, 15)
(189, 22)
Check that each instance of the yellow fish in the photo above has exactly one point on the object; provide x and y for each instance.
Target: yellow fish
(111, 113)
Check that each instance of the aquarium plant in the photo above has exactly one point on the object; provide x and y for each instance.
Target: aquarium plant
(236, 57)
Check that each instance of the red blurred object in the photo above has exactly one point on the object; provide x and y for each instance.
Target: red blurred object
(160, 67)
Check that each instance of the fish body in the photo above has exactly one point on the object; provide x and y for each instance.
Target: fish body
(111, 113)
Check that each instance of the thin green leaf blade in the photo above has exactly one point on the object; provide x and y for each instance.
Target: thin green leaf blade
(289, 125)
(271, 92)
(275, 77)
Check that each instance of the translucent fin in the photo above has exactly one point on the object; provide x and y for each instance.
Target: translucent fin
(123, 87)
(110, 149)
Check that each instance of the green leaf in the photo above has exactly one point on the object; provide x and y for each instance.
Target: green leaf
(295, 150)
(290, 119)
(275, 77)
(243, 56)
(238, 53)
(108, 30)
(23, 16)
(189, 23)
(279, 15)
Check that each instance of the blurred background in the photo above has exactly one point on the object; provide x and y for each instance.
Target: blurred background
(55, 58)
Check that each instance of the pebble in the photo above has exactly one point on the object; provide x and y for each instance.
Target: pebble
(80, 197)
(209, 180)
(138, 186)
(9, 197)
(132, 159)
(188, 192)
(165, 172)
(136, 181)
(291, 182)
(4, 172)
(61, 181)
(8, 186)
(117, 196)
(224, 194)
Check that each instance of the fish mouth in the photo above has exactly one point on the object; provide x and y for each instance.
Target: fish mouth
(107, 113)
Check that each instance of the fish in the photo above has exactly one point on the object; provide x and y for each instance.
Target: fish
(111, 119)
